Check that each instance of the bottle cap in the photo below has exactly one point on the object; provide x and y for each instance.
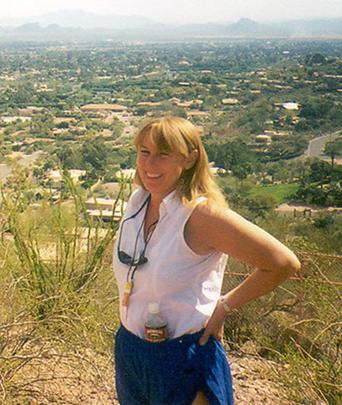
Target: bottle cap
(153, 307)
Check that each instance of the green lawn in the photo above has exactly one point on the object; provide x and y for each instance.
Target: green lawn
(281, 192)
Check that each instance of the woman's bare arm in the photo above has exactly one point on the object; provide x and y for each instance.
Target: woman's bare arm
(228, 232)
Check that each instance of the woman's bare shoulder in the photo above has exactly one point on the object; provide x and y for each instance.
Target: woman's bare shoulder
(226, 231)
(204, 214)
(197, 225)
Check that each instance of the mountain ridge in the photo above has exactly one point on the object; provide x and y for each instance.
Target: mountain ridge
(81, 24)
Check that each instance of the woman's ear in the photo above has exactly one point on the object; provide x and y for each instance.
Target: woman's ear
(191, 159)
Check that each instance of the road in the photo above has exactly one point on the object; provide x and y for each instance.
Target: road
(316, 146)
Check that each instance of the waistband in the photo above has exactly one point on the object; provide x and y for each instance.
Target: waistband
(131, 338)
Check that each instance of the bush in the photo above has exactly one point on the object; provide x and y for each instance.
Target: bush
(58, 294)
(299, 326)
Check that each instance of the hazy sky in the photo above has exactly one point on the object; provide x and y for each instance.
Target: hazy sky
(182, 10)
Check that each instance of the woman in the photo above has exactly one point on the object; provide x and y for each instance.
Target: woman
(172, 249)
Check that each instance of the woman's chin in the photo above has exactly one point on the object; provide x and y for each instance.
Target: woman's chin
(152, 184)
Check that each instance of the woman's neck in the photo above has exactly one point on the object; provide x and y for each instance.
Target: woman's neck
(156, 199)
(155, 203)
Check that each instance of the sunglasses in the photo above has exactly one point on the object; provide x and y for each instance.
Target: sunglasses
(123, 256)
(129, 261)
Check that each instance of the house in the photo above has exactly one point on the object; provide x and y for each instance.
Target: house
(56, 176)
(290, 106)
(105, 209)
(263, 138)
(103, 108)
(100, 203)
(256, 91)
(218, 171)
(124, 100)
(279, 134)
(30, 110)
(282, 87)
(149, 104)
(185, 104)
(183, 63)
(31, 141)
(110, 188)
(230, 101)
(11, 119)
(197, 114)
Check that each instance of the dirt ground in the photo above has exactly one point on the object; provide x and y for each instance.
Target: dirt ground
(74, 378)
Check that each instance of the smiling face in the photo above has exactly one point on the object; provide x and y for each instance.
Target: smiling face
(170, 156)
(159, 170)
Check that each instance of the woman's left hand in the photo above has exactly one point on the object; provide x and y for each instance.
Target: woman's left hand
(214, 326)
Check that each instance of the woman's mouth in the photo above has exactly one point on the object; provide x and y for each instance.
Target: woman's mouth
(153, 176)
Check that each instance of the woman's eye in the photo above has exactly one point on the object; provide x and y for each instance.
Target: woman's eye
(144, 152)
(164, 154)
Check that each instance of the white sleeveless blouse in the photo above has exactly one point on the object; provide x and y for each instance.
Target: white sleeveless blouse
(186, 285)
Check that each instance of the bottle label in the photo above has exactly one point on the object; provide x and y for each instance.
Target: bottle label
(155, 335)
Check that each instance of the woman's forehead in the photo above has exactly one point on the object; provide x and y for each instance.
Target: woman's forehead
(147, 141)
(153, 142)
(171, 142)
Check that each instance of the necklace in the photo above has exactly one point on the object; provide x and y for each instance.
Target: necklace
(135, 264)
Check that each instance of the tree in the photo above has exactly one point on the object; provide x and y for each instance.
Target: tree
(261, 204)
(69, 157)
(41, 125)
(316, 58)
(333, 149)
(316, 108)
(241, 170)
(320, 171)
(95, 153)
(63, 125)
(23, 93)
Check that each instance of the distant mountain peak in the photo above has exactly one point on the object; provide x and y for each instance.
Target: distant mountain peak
(84, 19)
(82, 24)
(245, 20)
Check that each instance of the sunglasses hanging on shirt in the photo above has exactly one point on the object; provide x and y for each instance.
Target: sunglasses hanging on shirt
(132, 262)
(123, 256)
(127, 259)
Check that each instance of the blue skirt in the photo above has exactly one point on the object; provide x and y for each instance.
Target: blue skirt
(170, 372)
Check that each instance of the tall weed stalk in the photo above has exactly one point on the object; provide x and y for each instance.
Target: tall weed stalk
(61, 264)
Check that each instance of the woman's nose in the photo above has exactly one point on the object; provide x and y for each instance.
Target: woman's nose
(151, 160)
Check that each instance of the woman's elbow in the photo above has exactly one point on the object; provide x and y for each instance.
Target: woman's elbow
(290, 265)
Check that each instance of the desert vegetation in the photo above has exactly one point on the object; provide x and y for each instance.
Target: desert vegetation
(59, 308)
(269, 114)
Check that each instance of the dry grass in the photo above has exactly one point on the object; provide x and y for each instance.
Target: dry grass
(58, 315)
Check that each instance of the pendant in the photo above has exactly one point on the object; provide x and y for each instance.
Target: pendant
(127, 292)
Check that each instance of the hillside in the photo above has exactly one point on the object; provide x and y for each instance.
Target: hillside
(269, 113)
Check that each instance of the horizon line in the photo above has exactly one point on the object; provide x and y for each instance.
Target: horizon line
(156, 20)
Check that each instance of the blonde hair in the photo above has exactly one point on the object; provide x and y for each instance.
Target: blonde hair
(177, 135)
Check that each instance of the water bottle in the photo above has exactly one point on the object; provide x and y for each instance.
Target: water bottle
(155, 325)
